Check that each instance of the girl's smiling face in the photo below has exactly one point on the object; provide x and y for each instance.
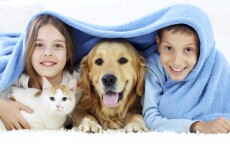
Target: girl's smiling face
(50, 54)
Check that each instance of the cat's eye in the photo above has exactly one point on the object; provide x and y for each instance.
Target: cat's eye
(64, 98)
(52, 98)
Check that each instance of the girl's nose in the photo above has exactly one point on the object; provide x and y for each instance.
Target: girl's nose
(48, 52)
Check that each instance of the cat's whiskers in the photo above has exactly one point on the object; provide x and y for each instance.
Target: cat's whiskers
(45, 103)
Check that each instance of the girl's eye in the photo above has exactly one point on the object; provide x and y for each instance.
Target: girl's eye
(58, 46)
(52, 98)
(38, 45)
(64, 98)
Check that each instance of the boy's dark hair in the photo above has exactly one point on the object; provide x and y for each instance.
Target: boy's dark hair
(183, 28)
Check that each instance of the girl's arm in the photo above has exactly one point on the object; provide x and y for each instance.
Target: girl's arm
(11, 116)
(10, 110)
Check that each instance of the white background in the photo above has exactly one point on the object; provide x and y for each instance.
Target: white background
(14, 14)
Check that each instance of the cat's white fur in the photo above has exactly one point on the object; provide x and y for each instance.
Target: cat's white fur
(47, 113)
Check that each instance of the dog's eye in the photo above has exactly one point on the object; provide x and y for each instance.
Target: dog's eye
(122, 60)
(99, 61)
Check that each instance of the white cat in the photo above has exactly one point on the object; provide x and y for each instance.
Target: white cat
(51, 106)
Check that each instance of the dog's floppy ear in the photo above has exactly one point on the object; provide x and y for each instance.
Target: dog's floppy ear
(84, 82)
(141, 75)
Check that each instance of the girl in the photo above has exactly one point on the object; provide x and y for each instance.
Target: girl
(49, 53)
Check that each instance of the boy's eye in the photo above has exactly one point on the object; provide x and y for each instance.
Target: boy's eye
(168, 48)
(188, 50)
(52, 98)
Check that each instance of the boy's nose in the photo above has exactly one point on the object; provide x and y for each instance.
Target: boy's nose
(177, 59)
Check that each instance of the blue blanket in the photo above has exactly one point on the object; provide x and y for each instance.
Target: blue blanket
(203, 92)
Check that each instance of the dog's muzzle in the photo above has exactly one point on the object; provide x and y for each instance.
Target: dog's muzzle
(110, 98)
(109, 80)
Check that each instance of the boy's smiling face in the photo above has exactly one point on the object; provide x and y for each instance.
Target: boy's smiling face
(178, 53)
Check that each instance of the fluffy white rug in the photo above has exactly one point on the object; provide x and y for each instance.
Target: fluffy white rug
(108, 137)
(15, 13)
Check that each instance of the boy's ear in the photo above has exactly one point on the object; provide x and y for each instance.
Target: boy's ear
(158, 41)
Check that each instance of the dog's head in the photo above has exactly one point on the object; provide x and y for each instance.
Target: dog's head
(113, 70)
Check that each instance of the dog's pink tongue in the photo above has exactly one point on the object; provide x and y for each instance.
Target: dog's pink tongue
(110, 99)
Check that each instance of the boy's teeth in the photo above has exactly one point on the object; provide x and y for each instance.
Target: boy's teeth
(177, 70)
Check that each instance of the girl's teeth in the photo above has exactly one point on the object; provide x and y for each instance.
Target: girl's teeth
(48, 63)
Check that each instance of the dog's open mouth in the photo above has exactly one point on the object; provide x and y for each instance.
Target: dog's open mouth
(111, 98)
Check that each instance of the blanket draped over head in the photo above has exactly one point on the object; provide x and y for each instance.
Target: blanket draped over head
(203, 94)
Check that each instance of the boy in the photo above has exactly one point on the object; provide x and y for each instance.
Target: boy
(168, 104)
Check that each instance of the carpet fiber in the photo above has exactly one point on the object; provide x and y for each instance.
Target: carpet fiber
(108, 137)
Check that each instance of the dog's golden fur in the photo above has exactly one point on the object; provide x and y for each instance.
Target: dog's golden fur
(125, 69)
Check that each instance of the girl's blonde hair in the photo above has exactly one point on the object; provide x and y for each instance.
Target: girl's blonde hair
(64, 29)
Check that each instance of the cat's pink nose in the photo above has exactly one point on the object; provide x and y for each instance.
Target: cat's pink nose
(58, 106)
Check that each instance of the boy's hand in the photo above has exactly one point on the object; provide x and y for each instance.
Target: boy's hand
(11, 116)
(218, 125)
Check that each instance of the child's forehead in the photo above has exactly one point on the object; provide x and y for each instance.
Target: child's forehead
(180, 37)
(181, 32)
(182, 28)
(172, 32)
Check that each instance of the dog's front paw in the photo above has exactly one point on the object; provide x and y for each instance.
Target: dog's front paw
(89, 126)
(134, 127)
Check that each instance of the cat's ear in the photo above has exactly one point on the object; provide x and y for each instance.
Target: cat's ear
(72, 85)
(45, 83)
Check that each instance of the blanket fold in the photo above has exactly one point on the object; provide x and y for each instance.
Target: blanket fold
(205, 87)
(11, 58)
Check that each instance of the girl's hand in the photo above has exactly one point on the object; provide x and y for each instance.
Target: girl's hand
(11, 115)
(218, 125)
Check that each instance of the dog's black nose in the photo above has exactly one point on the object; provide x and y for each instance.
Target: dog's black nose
(109, 80)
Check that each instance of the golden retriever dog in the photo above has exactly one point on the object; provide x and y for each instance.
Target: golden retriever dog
(113, 83)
